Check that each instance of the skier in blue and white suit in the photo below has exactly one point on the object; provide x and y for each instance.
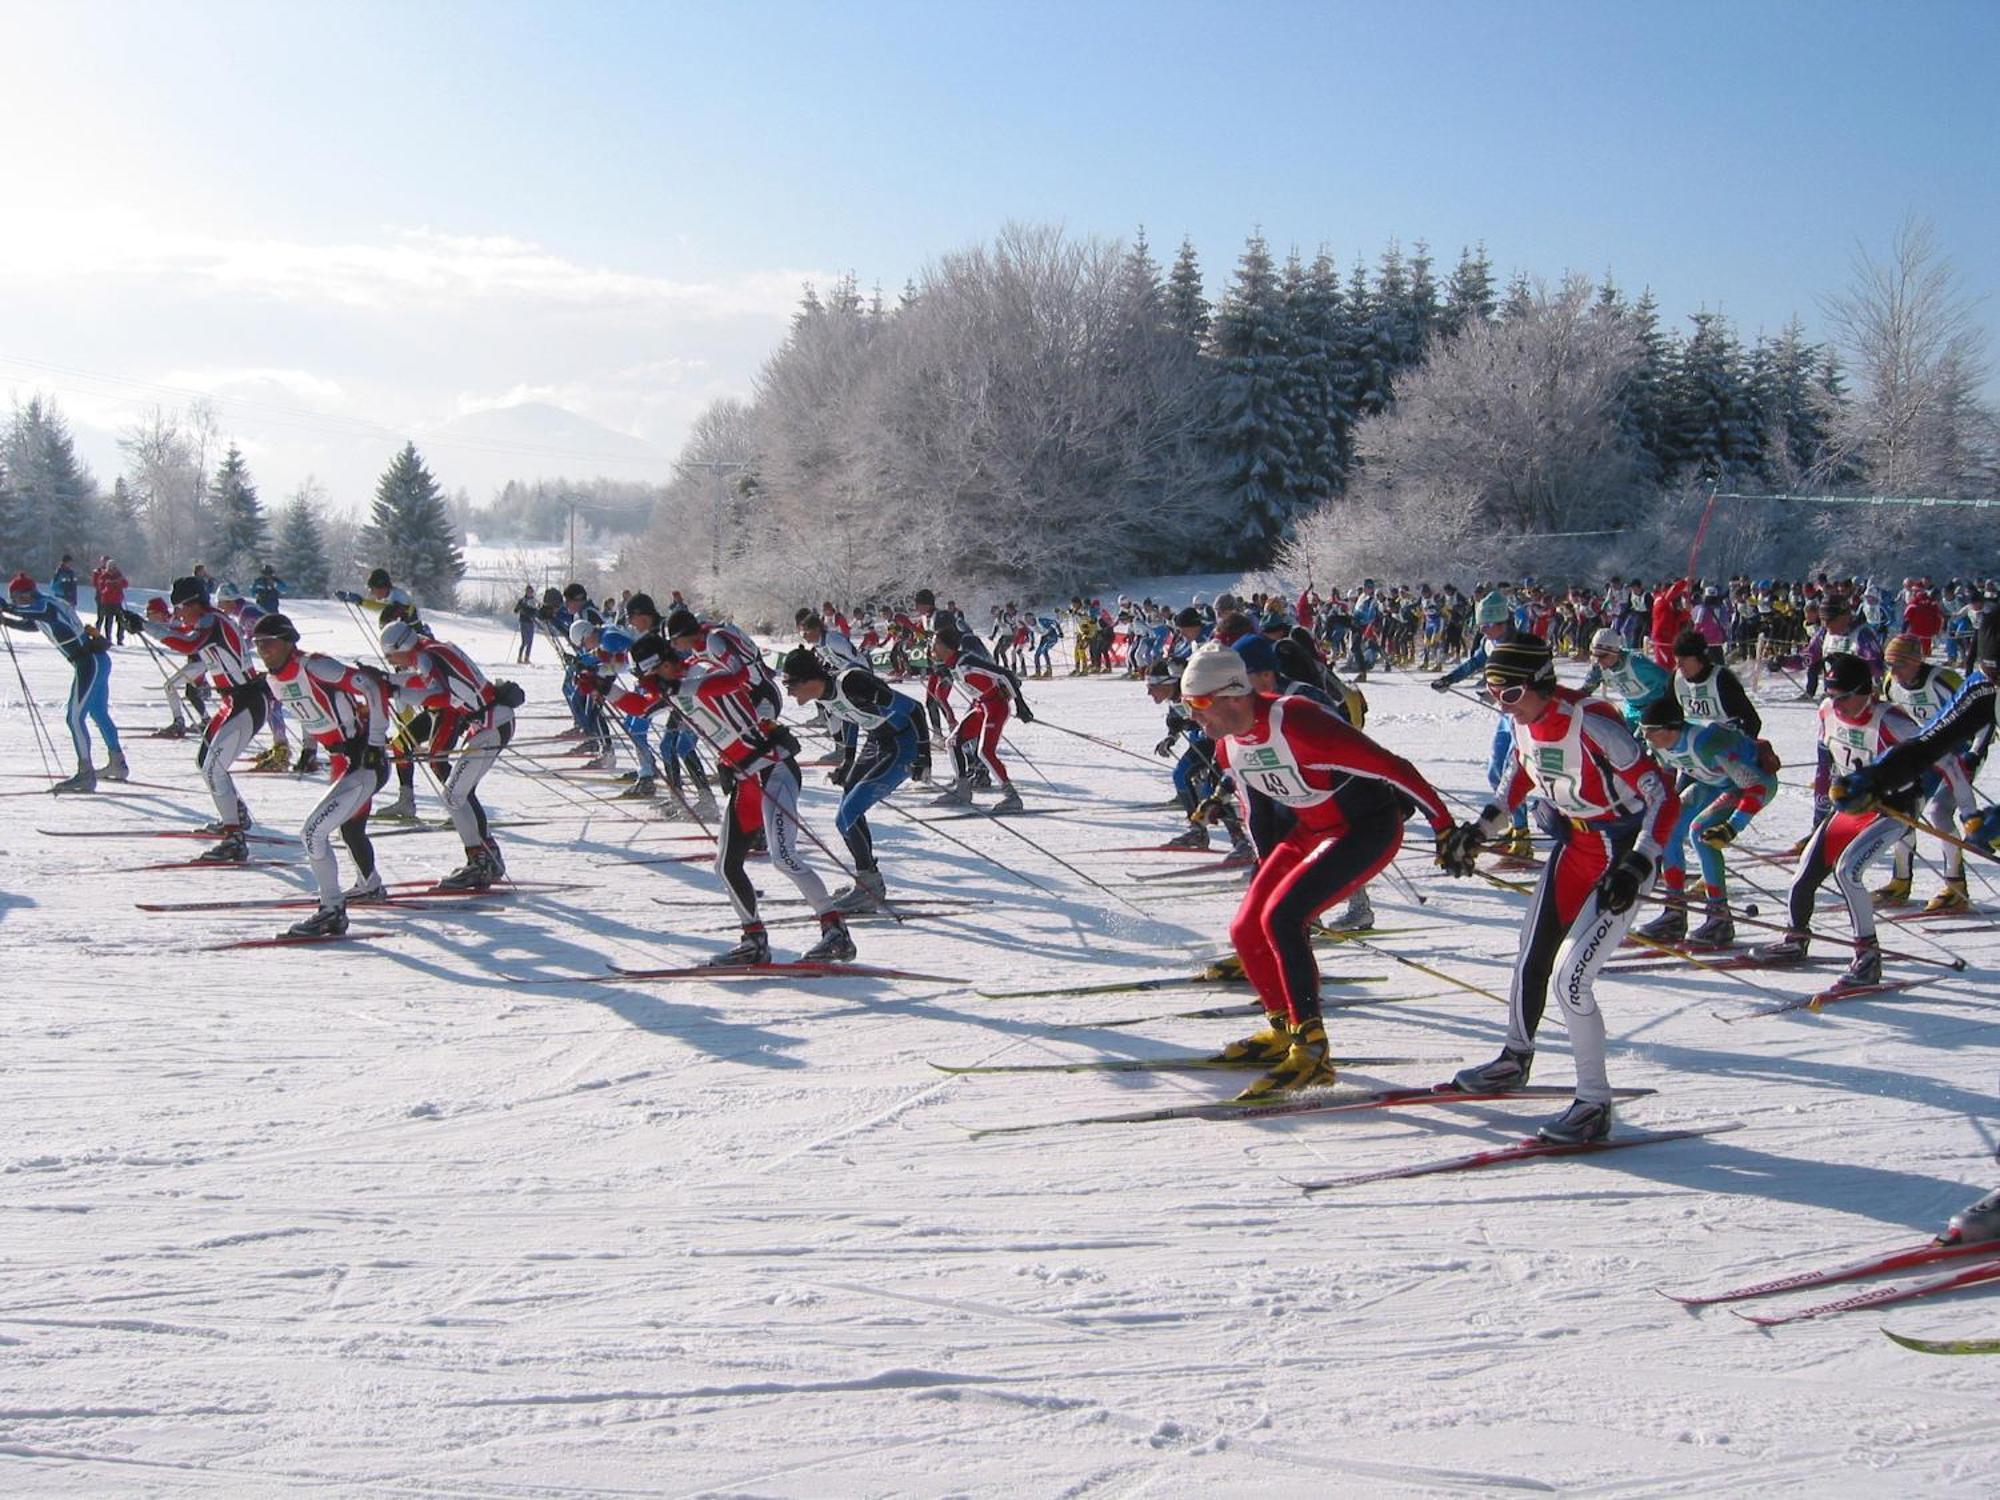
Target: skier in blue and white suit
(28, 608)
(892, 745)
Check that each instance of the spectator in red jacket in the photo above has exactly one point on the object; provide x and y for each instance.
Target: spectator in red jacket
(1923, 619)
(1670, 618)
(109, 584)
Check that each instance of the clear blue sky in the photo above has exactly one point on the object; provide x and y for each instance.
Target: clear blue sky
(654, 179)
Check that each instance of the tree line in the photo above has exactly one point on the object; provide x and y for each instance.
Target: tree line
(169, 510)
(1046, 411)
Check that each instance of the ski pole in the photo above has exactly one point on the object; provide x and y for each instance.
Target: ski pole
(43, 744)
(1000, 865)
(1784, 901)
(1093, 738)
(1666, 950)
(1438, 974)
(1937, 833)
(1002, 823)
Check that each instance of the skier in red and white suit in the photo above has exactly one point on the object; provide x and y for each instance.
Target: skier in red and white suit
(469, 716)
(1610, 808)
(211, 641)
(1325, 806)
(345, 710)
(975, 739)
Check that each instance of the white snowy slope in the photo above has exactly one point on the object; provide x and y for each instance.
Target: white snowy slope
(380, 1219)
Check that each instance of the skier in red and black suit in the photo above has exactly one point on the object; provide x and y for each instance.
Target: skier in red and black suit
(757, 763)
(212, 641)
(1610, 809)
(1325, 807)
(975, 740)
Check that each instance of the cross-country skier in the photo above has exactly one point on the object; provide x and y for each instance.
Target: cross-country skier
(1631, 679)
(1325, 806)
(1921, 690)
(472, 721)
(975, 739)
(1722, 785)
(757, 763)
(1610, 808)
(28, 608)
(1709, 692)
(890, 744)
(345, 709)
(210, 639)
(1855, 730)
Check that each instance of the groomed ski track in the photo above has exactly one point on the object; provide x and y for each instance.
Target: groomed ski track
(382, 1219)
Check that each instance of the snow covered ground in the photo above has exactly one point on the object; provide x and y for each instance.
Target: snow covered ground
(420, 1216)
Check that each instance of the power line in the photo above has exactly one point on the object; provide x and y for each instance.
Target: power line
(1921, 501)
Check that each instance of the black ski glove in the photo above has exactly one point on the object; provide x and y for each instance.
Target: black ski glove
(1620, 886)
(1458, 849)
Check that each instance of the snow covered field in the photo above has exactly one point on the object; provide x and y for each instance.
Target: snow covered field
(383, 1219)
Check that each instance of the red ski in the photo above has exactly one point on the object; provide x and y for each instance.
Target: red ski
(1881, 1296)
(209, 864)
(401, 894)
(796, 969)
(159, 833)
(1226, 863)
(1831, 996)
(1905, 1259)
(1528, 1150)
(287, 940)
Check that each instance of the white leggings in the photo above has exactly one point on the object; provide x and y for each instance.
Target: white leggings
(476, 754)
(345, 803)
(228, 732)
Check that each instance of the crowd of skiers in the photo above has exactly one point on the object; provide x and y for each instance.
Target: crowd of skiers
(1658, 752)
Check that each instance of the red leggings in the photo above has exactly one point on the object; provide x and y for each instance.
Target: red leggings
(1300, 878)
(976, 741)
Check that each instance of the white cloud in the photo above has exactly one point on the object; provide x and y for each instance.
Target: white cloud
(404, 268)
(253, 384)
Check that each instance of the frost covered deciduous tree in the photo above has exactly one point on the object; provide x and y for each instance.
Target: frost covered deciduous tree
(166, 475)
(1917, 356)
(1508, 430)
